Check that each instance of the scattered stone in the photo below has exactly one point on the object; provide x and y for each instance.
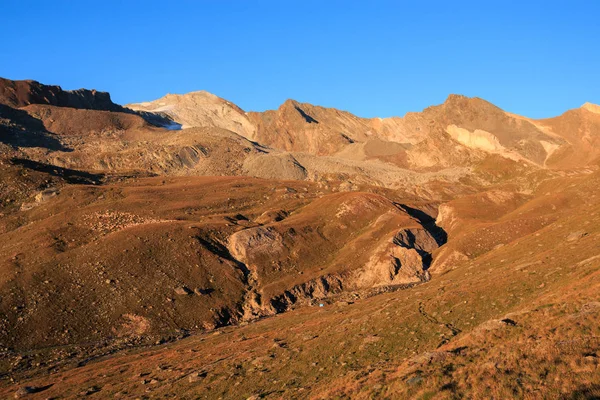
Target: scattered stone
(260, 361)
(573, 236)
(89, 391)
(271, 216)
(509, 321)
(415, 380)
(182, 291)
(202, 292)
(196, 376)
(26, 390)
(46, 194)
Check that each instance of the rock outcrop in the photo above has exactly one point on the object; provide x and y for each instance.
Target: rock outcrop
(18, 94)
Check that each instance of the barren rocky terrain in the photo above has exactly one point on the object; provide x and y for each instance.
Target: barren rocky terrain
(184, 247)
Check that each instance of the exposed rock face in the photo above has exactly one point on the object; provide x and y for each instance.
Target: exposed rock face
(109, 236)
(200, 109)
(316, 289)
(439, 146)
(580, 128)
(23, 93)
(67, 121)
(275, 166)
(478, 139)
(460, 133)
(246, 244)
(44, 195)
(472, 122)
(595, 108)
(479, 125)
(446, 217)
(402, 260)
(308, 256)
(306, 128)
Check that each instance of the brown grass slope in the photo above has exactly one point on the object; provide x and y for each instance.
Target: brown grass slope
(516, 321)
(99, 254)
(192, 253)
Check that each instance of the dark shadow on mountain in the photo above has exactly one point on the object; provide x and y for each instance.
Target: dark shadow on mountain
(25, 390)
(72, 176)
(428, 222)
(261, 148)
(222, 251)
(157, 119)
(347, 138)
(411, 243)
(23, 130)
(590, 392)
(306, 117)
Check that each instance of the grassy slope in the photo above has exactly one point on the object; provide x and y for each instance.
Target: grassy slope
(444, 339)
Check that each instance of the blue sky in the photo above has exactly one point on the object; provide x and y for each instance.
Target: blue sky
(375, 58)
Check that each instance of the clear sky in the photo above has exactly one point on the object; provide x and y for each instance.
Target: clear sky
(373, 58)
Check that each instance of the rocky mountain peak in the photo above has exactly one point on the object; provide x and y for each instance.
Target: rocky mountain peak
(595, 108)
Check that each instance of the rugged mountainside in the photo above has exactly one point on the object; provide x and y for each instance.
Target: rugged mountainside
(23, 93)
(221, 251)
(307, 128)
(198, 109)
(417, 141)
(307, 252)
(580, 128)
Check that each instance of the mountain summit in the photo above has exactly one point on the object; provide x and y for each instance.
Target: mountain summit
(197, 109)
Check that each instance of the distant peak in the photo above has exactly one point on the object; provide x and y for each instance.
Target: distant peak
(454, 97)
(290, 102)
(293, 106)
(459, 100)
(595, 108)
(201, 93)
(24, 92)
(197, 93)
(190, 99)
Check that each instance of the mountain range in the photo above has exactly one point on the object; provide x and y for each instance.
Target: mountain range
(183, 247)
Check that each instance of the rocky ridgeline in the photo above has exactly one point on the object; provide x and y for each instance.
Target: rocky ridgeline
(23, 93)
